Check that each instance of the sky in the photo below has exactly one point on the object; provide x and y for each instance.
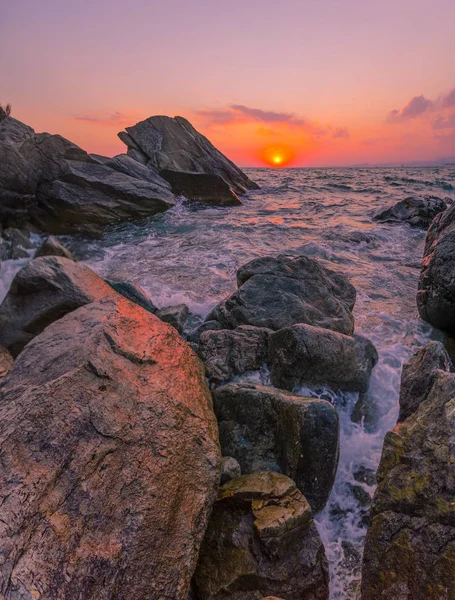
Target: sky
(290, 82)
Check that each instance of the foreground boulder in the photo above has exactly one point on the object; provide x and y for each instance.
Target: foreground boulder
(175, 145)
(98, 419)
(418, 212)
(266, 429)
(43, 291)
(261, 541)
(410, 545)
(276, 292)
(436, 294)
(306, 355)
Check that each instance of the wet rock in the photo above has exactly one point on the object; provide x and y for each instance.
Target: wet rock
(195, 334)
(174, 315)
(307, 355)
(365, 475)
(418, 212)
(418, 377)
(52, 247)
(266, 429)
(232, 352)
(45, 290)
(174, 144)
(99, 416)
(206, 188)
(134, 293)
(230, 469)
(365, 411)
(279, 292)
(16, 237)
(436, 294)
(6, 362)
(410, 543)
(16, 253)
(261, 540)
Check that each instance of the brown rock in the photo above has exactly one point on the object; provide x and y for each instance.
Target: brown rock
(110, 460)
(6, 362)
(52, 247)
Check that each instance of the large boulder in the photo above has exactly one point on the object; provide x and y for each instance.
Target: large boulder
(18, 184)
(436, 294)
(128, 166)
(13, 131)
(46, 289)
(175, 144)
(266, 429)
(307, 355)
(233, 352)
(410, 545)
(276, 292)
(418, 212)
(206, 188)
(261, 541)
(98, 419)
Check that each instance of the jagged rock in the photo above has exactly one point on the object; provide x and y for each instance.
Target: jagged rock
(307, 355)
(261, 540)
(418, 212)
(134, 293)
(128, 166)
(230, 469)
(195, 334)
(232, 352)
(175, 144)
(6, 362)
(98, 418)
(436, 294)
(18, 183)
(410, 543)
(16, 253)
(174, 315)
(17, 238)
(207, 188)
(13, 131)
(45, 290)
(266, 429)
(52, 247)
(279, 292)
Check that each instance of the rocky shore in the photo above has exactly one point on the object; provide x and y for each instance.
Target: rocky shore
(137, 460)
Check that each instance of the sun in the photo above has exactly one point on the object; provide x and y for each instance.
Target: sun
(277, 156)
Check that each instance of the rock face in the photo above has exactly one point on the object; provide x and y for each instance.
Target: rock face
(46, 289)
(174, 144)
(6, 362)
(279, 292)
(436, 295)
(134, 293)
(206, 188)
(18, 183)
(230, 469)
(308, 355)
(261, 540)
(13, 131)
(418, 212)
(52, 247)
(174, 315)
(410, 544)
(232, 352)
(98, 418)
(266, 429)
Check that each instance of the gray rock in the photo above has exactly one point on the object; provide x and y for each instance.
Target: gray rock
(195, 334)
(174, 315)
(418, 212)
(174, 144)
(16, 237)
(206, 188)
(13, 131)
(230, 469)
(18, 184)
(52, 247)
(261, 540)
(232, 352)
(128, 166)
(279, 292)
(266, 429)
(307, 355)
(134, 293)
(6, 362)
(45, 290)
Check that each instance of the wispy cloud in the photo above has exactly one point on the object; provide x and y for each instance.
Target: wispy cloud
(118, 118)
(447, 122)
(415, 107)
(419, 106)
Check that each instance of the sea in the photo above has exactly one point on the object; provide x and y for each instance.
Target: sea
(190, 255)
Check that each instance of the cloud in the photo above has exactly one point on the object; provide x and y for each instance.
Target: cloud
(117, 118)
(449, 99)
(441, 122)
(265, 116)
(415, 107)
(341, 133)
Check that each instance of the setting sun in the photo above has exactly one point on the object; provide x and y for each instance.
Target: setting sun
(277, 156)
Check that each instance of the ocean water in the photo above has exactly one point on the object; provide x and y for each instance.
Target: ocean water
(190, 254)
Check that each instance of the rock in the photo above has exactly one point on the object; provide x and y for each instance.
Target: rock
(52, 247)
(307, 355)
(13, 131)
(418, 377)
(18, 183)
(266, 429)
(261, 540)
(207, 188)
(45, 290)
(174, 144)
(134, 293)
(365, 412)
(6, 362)
(17, 238)
(174, 315)
(98, 418)
(410, 545)
(230, 469)
(195, 334)
(16, 253)
(232, 352)
(418, 212)
(279, 292)
(128, 166)
(436, 294)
